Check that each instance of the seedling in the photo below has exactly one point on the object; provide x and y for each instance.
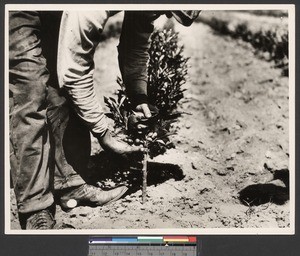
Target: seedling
(167, 73)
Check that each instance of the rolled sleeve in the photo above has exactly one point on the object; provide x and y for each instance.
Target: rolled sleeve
(78, 38)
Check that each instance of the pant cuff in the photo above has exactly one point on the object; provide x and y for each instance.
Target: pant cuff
(72, 181)
(37, 204)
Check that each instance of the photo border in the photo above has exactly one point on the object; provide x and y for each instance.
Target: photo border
(193, 231)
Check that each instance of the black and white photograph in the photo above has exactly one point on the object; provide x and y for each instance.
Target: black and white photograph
(161, 119)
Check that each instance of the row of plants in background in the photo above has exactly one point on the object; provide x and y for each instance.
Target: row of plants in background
(271, 13)
(167, 73)
(266, 36)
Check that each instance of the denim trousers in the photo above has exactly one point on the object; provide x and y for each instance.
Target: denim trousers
(49, 145)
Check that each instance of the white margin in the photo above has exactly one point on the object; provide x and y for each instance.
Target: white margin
(7, 220)
(292, 114)
(190, 231)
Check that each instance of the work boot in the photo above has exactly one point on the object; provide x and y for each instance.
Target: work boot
(40, 220)
(88, 195)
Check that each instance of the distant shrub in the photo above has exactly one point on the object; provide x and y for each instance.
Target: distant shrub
(272, 13)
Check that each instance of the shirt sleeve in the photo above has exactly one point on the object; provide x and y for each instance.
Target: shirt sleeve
(78, 38)
(133, 53)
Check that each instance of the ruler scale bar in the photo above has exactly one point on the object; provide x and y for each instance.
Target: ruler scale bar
(144, 239)
(143, 251)
(143, 246)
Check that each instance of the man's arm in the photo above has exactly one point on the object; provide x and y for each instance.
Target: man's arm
(78, 38)
(133, 53)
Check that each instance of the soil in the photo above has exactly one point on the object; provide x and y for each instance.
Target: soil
(230, 166)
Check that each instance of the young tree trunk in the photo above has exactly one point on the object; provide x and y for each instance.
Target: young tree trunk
(145, 172)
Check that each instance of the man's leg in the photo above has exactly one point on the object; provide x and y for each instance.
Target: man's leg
(70, 137)
(70, 142)
(28, 77)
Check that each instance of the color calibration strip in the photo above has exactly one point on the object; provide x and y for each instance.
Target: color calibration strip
(144, 239)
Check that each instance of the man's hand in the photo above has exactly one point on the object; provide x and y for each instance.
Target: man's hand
(143, 109)
(143, 117)
(120, 148)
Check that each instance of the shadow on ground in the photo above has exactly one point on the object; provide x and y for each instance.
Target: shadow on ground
(258, 194)
(107, 172)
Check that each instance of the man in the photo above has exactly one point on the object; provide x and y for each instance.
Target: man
(79, 36)
(31, 163)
